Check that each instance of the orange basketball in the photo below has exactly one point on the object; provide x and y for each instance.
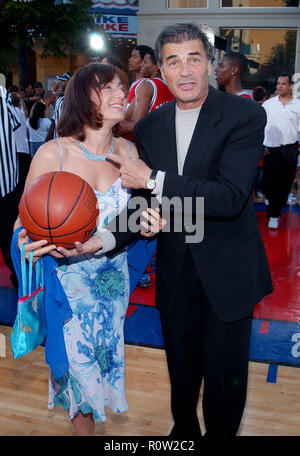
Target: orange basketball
(60, 207)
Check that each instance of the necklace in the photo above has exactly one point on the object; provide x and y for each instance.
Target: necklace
(95, 157)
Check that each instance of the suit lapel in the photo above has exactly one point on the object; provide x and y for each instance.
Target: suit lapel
(166, 153)
(203, 134)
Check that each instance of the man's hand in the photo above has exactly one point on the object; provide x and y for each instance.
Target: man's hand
(154, 223)
(134, 173)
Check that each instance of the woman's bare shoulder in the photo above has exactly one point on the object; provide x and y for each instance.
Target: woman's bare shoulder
(50, 150)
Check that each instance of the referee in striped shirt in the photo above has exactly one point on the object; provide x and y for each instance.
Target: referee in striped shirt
(9, 176)
(64, 79)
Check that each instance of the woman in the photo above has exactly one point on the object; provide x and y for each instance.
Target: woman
(97, 287)
(38, 126)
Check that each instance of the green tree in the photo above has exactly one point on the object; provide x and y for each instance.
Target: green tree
(282, 56)
(61, 25)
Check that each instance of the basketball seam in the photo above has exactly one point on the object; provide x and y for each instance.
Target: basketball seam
(71, 210)
(48, 212)
(63, 235)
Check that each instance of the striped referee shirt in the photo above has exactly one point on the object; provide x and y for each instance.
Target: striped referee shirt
(56, 114)
(9, 168)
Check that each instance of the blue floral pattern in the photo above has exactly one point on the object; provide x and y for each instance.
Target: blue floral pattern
(98, 292)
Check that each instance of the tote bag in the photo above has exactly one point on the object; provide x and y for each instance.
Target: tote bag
(29, 330)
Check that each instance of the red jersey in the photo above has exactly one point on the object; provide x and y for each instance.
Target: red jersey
(161, 94)
(244, 94)
(132, 90)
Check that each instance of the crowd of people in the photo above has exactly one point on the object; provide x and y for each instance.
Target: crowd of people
(170, 135)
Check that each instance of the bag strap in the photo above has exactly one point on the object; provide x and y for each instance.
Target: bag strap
(30, 271)
(23, 267)
(24, 274)
(39, 273)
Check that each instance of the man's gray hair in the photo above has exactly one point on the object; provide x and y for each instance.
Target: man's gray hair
(179, 33)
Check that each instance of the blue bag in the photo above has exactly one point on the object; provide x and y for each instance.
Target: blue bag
(29, 330)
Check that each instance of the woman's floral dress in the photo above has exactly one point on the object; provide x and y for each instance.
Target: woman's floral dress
(98, 292)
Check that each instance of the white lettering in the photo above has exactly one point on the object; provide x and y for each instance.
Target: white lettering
(295, 348)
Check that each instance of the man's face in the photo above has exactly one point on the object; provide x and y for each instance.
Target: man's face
(224, 71)
(29, 90)
(148, 68)
(39, 91)
(135, 61)
(283, 86)
(186, 70)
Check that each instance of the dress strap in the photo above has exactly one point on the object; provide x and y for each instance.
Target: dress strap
(60, 153)
(130, 150)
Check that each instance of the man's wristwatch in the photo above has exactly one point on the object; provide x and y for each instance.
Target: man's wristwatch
(150, 183)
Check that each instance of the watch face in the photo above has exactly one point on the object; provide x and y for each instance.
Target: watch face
(150, 184)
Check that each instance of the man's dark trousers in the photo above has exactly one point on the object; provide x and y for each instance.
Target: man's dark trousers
(199, 346)
(280, 165)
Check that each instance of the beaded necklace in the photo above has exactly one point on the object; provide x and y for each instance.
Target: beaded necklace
(95, 157)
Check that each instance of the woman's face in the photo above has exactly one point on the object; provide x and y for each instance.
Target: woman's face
(112, 100)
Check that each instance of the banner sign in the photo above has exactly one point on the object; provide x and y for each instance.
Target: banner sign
(118, 25)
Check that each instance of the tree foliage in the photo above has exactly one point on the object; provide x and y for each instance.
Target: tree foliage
(60, 24)
(282, 56)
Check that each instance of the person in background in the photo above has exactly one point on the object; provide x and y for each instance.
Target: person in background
(9, 177)
(134, 66)
(150, 93)
(281, 147)
(62, 85)
(22, 94)
(229, 71)
(38, 126)
(116, 62)
(29, 94)
(112, 60)
(259, 95)
(49, 99)
(22, 145)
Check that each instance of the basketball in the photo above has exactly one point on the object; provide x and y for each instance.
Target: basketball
(60, 207)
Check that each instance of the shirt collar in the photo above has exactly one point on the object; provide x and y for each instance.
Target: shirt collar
(293, 100)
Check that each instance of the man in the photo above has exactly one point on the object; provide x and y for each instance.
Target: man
(281, 142)
(134, 65)
(63, 82)
(29, 97)
(229, 72)
(206, 144)
(9, 177)
(49, 99)
(150, 93)
(259, 94)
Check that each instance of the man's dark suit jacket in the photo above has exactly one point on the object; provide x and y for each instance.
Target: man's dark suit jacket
(221, 165)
